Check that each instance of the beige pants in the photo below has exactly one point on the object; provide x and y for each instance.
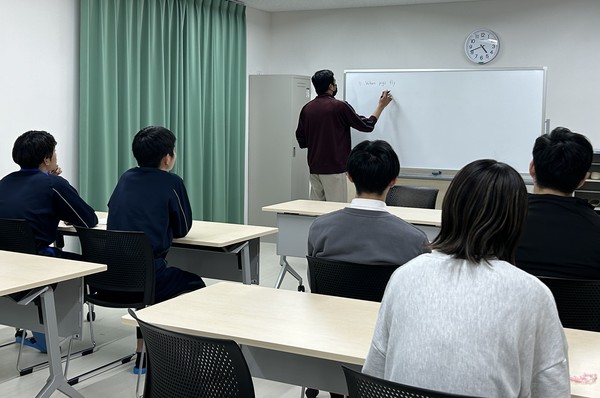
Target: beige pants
(329, 187)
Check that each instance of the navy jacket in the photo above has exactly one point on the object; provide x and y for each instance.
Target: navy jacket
(43, 200)
(153, 201)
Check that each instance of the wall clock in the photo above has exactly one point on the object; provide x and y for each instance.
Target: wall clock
(482, 46)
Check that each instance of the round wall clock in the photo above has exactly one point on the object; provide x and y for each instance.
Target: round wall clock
(482, 46)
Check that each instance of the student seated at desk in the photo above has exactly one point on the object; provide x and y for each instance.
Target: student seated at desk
(149, 198)
(365, 232)
(561, 232)
(38, 195)
(463, 319)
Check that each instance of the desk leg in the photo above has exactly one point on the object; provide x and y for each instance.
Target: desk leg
(286, 267)
(246, 265)
(56, 380)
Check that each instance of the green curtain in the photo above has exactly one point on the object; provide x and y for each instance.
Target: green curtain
(175, 63)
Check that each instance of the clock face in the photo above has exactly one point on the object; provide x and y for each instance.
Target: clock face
(482, 46)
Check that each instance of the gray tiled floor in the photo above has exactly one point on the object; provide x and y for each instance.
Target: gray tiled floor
(115, 340)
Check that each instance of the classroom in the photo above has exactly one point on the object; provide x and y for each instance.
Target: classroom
(39, 72)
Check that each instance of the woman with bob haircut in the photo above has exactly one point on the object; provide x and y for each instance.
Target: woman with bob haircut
(463, 319)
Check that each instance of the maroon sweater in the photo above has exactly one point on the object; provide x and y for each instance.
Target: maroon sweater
(324, 128)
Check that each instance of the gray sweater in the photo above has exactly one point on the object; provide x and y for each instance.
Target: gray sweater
(488, 330)
(365, 237)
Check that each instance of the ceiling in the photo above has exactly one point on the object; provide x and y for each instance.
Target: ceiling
(299, 5)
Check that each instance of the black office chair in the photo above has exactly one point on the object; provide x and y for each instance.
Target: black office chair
(357, 281)
(361, 385)
(128, 281)
(350, 280)
(181, 365)
(409, 196)
(577, 301)
(17, 236)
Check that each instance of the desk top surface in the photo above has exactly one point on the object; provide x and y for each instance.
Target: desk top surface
(20, 272)
(204, 233)
(288, 321)
(584, 357)
(316, 208)
(265, 317)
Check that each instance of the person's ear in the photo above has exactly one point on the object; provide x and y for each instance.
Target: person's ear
(393, 182)
(532, 170)
(349, 177)
(585, 177)
(165, 161)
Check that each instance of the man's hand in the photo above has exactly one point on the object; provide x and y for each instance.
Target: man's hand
(386, 98)
(57, 171)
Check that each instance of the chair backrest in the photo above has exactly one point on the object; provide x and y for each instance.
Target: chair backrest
(181, 365)
(128, 281)
(361, 385)
(358, 281)
(409, 196)
(16, 236)
(577, 301)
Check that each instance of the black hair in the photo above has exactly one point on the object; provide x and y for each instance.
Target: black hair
(372, 165)
(561, 159)
(483, 212)
(321, 80)
(31, 148)
(151, 144)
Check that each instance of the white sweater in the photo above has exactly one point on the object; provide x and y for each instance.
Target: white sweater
(487, 330)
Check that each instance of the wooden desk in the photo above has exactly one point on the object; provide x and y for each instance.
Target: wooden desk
(213, 249)
(303, 345)
(24, 272)
(308, 342)
(295, 218)
(584, 357)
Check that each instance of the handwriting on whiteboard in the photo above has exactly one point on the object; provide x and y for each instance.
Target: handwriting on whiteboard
(378, 83)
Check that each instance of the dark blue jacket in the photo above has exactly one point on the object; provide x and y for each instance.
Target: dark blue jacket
(43, 200)
(153, 201)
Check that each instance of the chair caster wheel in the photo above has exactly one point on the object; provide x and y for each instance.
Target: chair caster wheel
(93, 316)
(301, 288)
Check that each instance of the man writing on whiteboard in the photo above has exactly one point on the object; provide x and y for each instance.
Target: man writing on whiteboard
(324, 128)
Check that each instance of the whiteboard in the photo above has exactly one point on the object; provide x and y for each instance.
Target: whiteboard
(444, 119)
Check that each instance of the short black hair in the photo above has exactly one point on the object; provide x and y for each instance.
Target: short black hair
(561, 159)
(372, 166)
(31, 148)
(483, 212)
(151, 144)
(321, 80)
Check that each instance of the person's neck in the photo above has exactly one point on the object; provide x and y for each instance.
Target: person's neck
(373, 196)
(549, 191)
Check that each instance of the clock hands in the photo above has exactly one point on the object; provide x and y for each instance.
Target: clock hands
(477, 48)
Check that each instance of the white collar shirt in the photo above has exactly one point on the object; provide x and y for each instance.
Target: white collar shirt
(368, 204)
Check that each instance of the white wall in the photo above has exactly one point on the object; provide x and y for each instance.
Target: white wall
(39, 59)
(561, 35)
(39, 77)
